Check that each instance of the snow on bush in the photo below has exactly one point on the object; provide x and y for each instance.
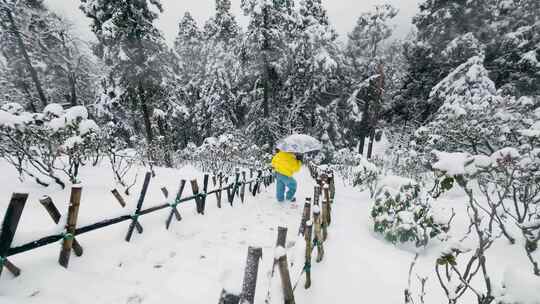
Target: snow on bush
(47, 146)
(366, 175)
(403, 213)
(224, 154)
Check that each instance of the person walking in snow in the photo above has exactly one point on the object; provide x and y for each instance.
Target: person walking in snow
(285, 165)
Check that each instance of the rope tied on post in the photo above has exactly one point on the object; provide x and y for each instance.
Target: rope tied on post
(135, 217)
(68, 236)
(307, 267)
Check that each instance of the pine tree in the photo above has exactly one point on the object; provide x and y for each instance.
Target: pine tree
(134, 49)
(265, 46)
(365, 52)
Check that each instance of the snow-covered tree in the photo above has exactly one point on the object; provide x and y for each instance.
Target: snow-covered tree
(135, 50)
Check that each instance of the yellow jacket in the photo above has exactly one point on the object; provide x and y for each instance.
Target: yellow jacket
(285, 163)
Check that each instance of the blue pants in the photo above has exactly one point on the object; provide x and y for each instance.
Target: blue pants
(283, 182)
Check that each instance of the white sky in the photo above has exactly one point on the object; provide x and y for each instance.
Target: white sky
(342, 13)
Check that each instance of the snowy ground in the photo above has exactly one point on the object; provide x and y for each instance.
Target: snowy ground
(200, 255)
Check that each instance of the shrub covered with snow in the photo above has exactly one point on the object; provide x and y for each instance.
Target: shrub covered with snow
(224, 153)
(403, 213)
(48, 146)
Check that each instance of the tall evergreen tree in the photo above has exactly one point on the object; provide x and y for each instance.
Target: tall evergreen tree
(134, 49)
(265, 46)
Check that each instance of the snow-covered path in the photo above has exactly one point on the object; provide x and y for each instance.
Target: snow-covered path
(197, 257)
(357, 264)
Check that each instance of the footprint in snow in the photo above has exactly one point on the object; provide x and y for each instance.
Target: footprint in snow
(134, 299)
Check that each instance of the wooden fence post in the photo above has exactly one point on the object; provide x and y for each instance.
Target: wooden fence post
(174, 211)
(69, 235)
(231, 190)
(305, 216)
(318, 238)
(9, 227)
(327, 207)
(309, 249)
(250, 275)
(257, 183)
(118, 197)
(198, 198)
(280, 242)
(243, 187)
(332, 183)
(286, 284)
(220, 192)
(135, 217)
(47, 202)
(205, 190)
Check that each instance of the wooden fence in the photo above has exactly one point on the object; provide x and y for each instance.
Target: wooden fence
(316, 218)
(237, 188)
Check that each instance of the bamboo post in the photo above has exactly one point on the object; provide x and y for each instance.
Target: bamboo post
(286, 284)
(69, 235)
(174, 211)
(280, 242)
(135, 217)
(205, 192)
(232, 192)
(318, 237)
(326, 205)
(220, 192)
(250, 275)
(197, 194)
(332, 184)
(165, 192)
(214, 180)
(258, 183)
(305, 216)
(316, 195)
(9, 227)
(243, 187)
(55, 215)
(118, 197)
(307, 266)
(251, 178)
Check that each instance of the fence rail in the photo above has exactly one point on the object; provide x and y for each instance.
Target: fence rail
(68, 237)
(316, 218)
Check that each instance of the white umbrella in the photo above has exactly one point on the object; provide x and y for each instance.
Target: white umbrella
(298, 143)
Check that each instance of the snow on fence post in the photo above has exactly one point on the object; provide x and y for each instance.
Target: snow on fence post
(118, 197)
(48, 204)
(280, 243)
(250, 275)
(305, 216)
(71, 225)
(318, 237)
(331, 182)
(174, 211)
(283, 265)
(135, 217)
(9, 227)
(309, 249)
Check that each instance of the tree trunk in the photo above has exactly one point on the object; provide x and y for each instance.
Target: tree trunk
(22, 47)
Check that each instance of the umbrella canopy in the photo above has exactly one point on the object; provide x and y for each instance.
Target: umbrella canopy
(299, 143)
